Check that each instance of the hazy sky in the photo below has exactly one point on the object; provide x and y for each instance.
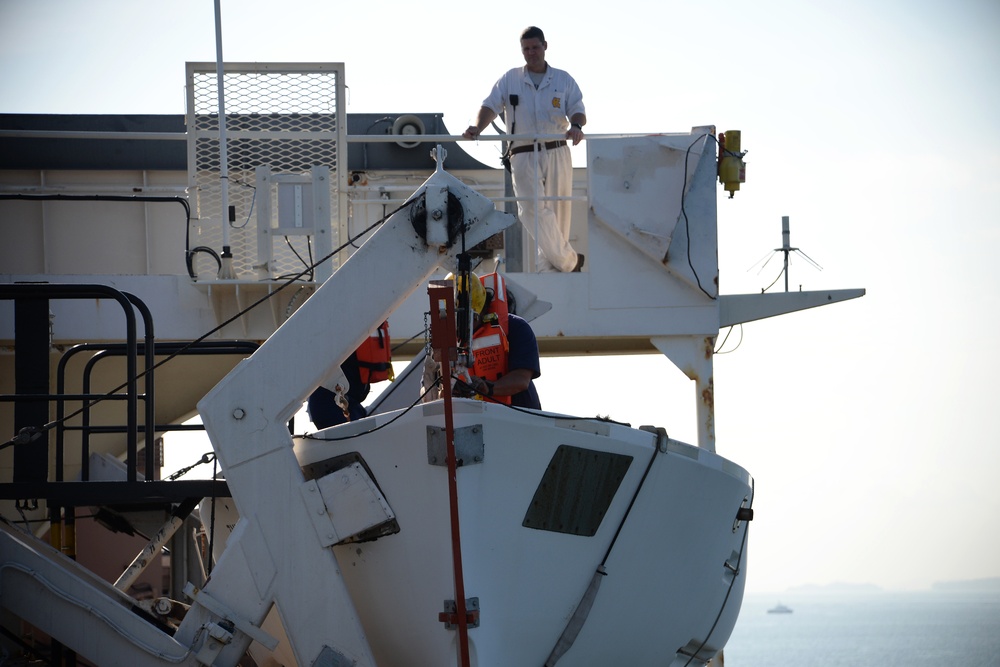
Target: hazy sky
(873, 125)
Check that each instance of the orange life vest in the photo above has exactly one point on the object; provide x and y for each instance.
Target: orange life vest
(490, 347)
(375, 356)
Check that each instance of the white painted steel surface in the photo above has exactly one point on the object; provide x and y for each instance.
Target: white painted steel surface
(45, 588)
(276, 546)
(651, 280)
(666, 581)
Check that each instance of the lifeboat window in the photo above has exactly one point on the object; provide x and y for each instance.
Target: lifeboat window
(576, 490)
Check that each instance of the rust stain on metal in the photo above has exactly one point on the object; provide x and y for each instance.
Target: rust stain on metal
(708, 398)
(708, 395)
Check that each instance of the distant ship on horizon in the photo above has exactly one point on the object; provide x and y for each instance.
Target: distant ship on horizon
(780, 609)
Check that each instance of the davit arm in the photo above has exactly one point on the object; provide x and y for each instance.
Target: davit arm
(279, 553)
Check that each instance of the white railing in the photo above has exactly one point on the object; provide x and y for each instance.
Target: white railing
(364, 197)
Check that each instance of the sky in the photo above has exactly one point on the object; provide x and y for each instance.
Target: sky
(867, 424)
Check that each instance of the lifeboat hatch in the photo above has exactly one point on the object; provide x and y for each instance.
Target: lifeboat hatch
(576, 490)
(369, 497)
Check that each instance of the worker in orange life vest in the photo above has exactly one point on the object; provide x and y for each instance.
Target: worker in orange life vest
(370, 363)
(503, 345)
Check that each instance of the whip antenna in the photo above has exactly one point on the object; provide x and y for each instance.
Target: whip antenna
(786, 249)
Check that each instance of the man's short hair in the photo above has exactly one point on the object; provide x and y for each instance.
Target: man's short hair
(531, 32)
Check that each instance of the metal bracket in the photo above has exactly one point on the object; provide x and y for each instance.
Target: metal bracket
(450, 614)
(218, 636)
(469, 446)
(344, 503)
(744, 513)
(329, 657)
(732, 566)
(221, 610)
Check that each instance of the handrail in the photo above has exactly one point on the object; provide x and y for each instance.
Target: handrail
(91, 291)
(500, 199)
(149, 350)
(75, 134)
(62, 491)
(431, 138)
(351, 138)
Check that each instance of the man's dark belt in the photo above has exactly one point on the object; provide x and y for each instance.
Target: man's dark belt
(549, 145)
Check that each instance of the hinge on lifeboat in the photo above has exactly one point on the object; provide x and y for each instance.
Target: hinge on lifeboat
(744, 513)
(450, 614)
(693, 651)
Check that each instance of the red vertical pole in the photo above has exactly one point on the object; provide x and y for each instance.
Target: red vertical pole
(442, 325)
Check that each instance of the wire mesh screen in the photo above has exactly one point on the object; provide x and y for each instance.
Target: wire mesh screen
(289, 117)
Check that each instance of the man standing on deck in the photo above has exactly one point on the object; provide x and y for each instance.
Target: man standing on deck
(539, 100)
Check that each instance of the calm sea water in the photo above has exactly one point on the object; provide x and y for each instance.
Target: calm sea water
(883, 629)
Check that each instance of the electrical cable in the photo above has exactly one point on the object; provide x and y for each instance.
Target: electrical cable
(94, 611)
(211, 534)
(308, 264)
(364, 146)
(780, 273)
(638, 488)
(687, 224)
(189, 252)
(722, 344)
(736, 573)
(189, 258)
(24, 518)
(531, 411)
(491, 399)
(253, 200)
(310, 436)
(33, 433)
(119, 198)
(583, 608)
(399, 345)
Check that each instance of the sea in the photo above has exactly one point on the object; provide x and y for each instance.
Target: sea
(877, 628)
